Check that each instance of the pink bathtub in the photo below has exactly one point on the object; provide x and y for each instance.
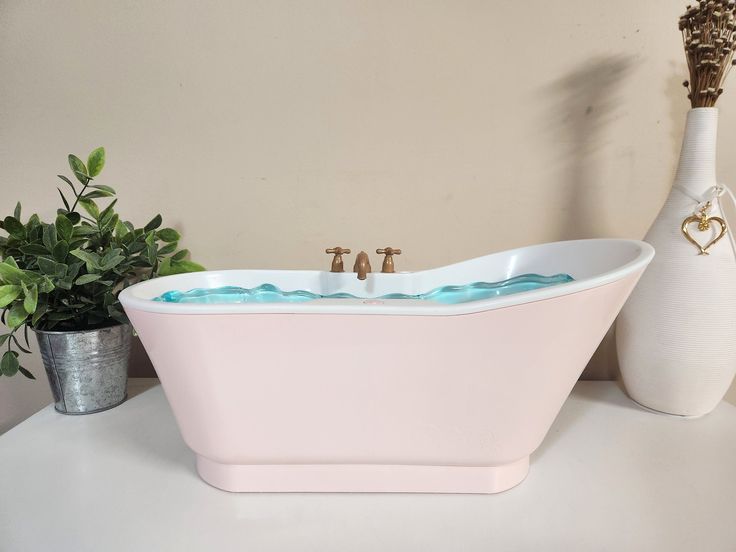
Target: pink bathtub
(376, 395)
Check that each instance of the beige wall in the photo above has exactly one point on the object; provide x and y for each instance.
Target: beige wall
(266, 131)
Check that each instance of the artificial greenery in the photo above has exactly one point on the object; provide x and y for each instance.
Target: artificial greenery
(66, 275)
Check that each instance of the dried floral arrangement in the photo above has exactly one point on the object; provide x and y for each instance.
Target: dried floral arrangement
(708, 35)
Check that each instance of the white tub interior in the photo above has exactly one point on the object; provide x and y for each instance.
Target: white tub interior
(590, 262)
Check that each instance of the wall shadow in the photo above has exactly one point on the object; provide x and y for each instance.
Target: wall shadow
(603, 365)
(677, 104)
(585, 102)
(140, 365)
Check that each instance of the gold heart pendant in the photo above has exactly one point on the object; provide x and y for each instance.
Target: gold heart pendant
(703, 223)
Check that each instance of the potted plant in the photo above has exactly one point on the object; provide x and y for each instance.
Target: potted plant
(62, 278)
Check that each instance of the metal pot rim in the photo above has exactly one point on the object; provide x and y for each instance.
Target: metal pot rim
(57, 332)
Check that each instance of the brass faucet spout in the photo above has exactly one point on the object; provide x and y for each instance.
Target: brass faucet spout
(362, 265)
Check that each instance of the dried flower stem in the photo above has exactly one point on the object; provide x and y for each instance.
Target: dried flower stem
(709, 40)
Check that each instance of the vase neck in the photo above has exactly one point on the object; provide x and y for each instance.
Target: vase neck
(697, 168)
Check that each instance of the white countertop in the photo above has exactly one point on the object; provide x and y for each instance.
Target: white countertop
(609, 476)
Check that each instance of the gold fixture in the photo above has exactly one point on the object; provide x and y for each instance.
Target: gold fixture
(362, 265)
(704, 222)
(338, 252)
(388, 260)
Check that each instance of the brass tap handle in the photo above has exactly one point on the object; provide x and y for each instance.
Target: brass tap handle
(338, 252)
(388, 261)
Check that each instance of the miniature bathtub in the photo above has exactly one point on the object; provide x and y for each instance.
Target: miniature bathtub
(374, 395)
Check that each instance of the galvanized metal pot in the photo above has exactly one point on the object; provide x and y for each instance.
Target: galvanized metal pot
(87, 369)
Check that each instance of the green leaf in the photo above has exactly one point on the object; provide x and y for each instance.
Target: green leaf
(154, 223)
(151, 249)
(11, 262)
(4, 338)
(49, 236)
(109, 189)
(33, 221)
(46, 266)
(96, 161)
(64, 227)
(120, 229)
(51, 268)
(74, 217)
(94, 194)
(77, 166)
(190, 266)
(61, 250)
(108, 214)
(84, 230)
(71, 185)
(83, 177)
(87, 278)
(91, 207)
(8, 294)
(33, 249)
(30, 301)
(14, 227)
(136, 247)
(45, 285)
(63, 284)
(19, 346)
(168, 235)
(60, 316)
(9, 364)
(110, 222)
(73, 269)
(26, 373)
(168, 267)
(164, 267)
(17, 210)
(40, 311)
(117, 314)
(167, 249)
(32, 277)
(112, 263)
(10, 274)
(63, 199)
(109, 254)
(179, 255)
(92, 260)
(16, 316)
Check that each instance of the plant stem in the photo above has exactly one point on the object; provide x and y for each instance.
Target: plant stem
(10, 338)
(76, 200)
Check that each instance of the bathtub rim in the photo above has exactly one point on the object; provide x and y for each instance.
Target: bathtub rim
(130, 297)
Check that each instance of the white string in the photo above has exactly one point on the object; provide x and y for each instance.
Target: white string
(727, 190)
(714, 193)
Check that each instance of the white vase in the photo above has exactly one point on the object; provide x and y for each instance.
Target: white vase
(676, 335)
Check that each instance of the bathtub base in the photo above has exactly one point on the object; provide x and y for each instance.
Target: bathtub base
(361, 478)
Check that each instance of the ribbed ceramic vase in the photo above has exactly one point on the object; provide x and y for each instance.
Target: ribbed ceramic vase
(676, 335)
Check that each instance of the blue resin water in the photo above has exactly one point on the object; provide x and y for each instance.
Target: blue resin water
(451, 295)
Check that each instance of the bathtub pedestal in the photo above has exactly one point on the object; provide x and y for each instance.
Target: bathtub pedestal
(362, 478)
